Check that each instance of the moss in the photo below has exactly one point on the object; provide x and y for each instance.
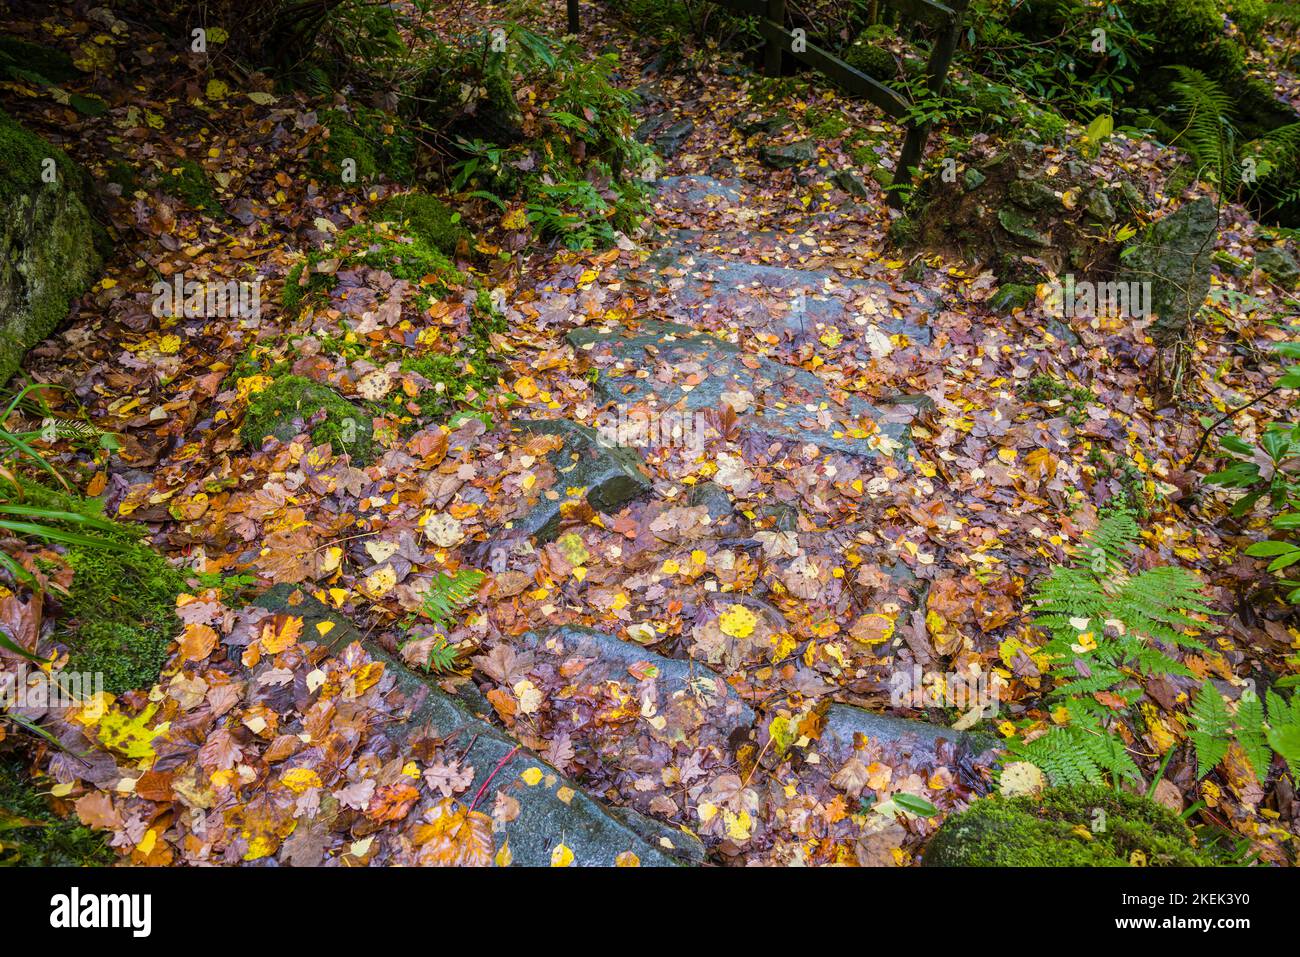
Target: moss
(22, 155)
(414, 261)
(826, 126)
(869, 52)
(23, 60)
(369, 138)
(292, 403)
(471, 371)
(1083, 826)
(119, 615)
(189, 184)
(50, 246)
(427, 219)
(32, 835)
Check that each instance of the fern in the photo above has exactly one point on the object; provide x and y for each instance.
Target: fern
(1214, 726)
(1106, 627)
(448, 594)
(1210, 723)
(1208, 134)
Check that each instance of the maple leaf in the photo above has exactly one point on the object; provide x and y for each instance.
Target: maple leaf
(449, 778)
(454, 836)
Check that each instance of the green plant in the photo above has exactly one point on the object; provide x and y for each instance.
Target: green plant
(293, 404)
(1214, 725)
(1106, 627)
(447, 595)
(578, 174)
(32, 835)
(427, 219)
(1266, 471)
(1076, 826)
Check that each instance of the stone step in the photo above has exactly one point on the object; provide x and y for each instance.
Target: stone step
(672, 367)
(554, 810)
(789, 303)
(631, 718)
(608, 475)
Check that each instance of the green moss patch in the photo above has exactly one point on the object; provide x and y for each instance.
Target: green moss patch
(21, 60)
(188, 183)
(293, 404)
(1084, 826)
(427, 219)
(119, 616)
(32, 835)
(414, 261)
(371, 139)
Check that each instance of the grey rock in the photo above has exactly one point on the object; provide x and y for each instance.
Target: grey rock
(790, 155)
(596, 834)
(782, 393)
(849, 181)
(806, 297)
(1278, 265)
(918, 739)
(1099, 207)
(1175, 257)
(670, 141)
(611, 475)
(714, 497)
(1022, 226)
(1032, 195)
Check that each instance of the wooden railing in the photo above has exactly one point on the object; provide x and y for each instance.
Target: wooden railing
(946, 19)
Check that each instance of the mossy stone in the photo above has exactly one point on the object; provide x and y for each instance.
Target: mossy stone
(50, 245)
(371, 139)
(1077, 826)
(294, 404)
(33, 61)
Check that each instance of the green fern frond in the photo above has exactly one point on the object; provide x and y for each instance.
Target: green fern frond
(1211, 723)
(1206, 110)
(448, 594)
(1252, 735)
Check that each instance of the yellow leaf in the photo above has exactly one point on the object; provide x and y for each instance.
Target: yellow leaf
(216, 89)
(532, 777)
(561, 856)
(300, 779)
(130, 736)
(737, 621)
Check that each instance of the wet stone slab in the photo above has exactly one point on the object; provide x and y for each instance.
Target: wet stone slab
(553, 811)
(790, 303)
(668, 366)
(621, 718)
(608, 474)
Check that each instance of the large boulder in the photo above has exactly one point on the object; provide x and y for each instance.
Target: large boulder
(50, 245)
(1024, 212)
(1174, 256)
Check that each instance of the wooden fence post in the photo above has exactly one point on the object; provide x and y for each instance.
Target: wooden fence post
(773, 50)
(574, 26)
(918, 133)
